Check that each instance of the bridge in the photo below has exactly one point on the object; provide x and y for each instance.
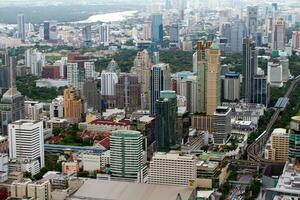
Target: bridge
(255, 150)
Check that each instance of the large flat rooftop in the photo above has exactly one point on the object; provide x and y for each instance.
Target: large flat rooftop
(116, 190)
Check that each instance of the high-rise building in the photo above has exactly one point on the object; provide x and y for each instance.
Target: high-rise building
(46, 30)
(126, 154)
(231, 86)
(250, 67)
(128, 91)
(91, 94)
(78, 70)
(104, 34)
(108, 83)
(157, 29)
(252, 12)
(35, 60)
(174, 36)
(221, 127)
(57, 107)
(147, 31)
(160, 79)
(87, 36)
(294, 139)
(188, 88)
(260, 89)
(278, 35)
(277, 147)
(296, 40)
(275, 73)
(237, 33)
(172, 169)
(207, 68)
(72, 105)
(26, 141)
(166, 121)
(4, 78)
(12, 102)
(142, 68)
(21, 27)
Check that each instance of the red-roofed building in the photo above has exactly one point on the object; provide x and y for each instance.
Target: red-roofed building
(99, 125)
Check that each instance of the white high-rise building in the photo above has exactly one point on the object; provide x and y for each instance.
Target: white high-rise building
(21, 27)
(57, 107)
(26, 141)
(172, 169)
(108, 83)
(104, 34)
(35, 61)
(274, 77)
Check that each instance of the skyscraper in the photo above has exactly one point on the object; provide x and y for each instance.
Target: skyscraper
(160, 80)
(91, 94)
(46, 30)
(12, 103)
(26, 142)
(278, 35)
(21, 27)
(174, 36)
(231, 86)
(294, 139)
(296, 40)
(207, 67)
(72, 105)
(104, 34)
(128, 90)
(35, 60)
(166, 121)
(142, 68)
(221, 124)
(157, 29)
(126, 154)
(108, 83)
(249, 68)
(252, 12)
(237, 33)
(260, 88)
(87, 36)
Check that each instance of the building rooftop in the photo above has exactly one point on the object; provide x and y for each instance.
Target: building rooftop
(116, 190)
(123, 122)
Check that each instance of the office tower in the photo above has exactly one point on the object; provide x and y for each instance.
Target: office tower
(147, 31)
(172, 169)
(4, 79)
(221, 124)
(104, 34)
(87, 36)
(177, 79)
(72, 105)
(249, 67)
(252, 12)
(57, 107)
(168, 4)
(126, 154)
(277, 148)
(128, 91)
(157, 29)
(275, 72)
(294, 139)
(113, 67)
(91, 94)
(142, 68)
(231, 86)
(78, 70)
(26, 142)
(207, 57)
(174, 36)
(296, 40)
(35, 60)
(260, 89)
(188, 89)
(33, 110)
(108, 83)
(46, 30)
(278, 35)
(12, 103)
(21, 27)
(160, 79)
(237, 33)
(166, 121)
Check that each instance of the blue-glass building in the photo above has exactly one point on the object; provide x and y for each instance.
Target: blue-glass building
(157, 29)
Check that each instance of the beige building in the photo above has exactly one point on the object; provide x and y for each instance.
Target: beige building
(172, 169)
(40, 190)
(277, 147)
(278, 35)
(202, 123)
(18, 188)
(142, 67)
(72, 105)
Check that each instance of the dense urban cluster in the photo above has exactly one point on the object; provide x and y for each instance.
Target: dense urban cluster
(179, 100)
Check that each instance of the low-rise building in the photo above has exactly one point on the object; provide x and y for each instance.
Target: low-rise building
(70, 167)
